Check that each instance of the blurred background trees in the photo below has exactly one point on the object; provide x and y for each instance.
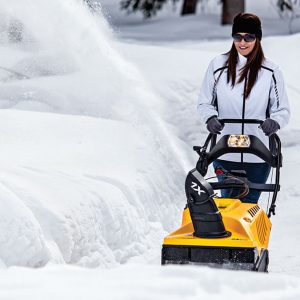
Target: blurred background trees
(150, 8)
(286, 9)
(289, 9)
(189, 7)
(230, 8)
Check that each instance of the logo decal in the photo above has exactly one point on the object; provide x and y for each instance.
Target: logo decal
(197, 188)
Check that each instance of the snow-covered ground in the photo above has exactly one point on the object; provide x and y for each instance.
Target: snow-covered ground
(142, 282)
(96, 130)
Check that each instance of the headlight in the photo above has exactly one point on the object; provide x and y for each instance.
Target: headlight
(238, 141)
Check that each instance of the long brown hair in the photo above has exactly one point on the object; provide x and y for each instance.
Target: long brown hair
(251, 68)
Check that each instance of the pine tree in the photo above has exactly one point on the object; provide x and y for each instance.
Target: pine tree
(148, 8)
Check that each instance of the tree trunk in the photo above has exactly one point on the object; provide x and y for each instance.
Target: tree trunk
(230, 9)
(189, 7)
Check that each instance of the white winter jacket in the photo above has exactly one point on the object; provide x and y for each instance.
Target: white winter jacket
(267, 99)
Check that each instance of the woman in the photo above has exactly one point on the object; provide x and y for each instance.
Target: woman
(243, 84)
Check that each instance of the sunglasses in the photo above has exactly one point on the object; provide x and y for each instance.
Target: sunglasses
(249, 37)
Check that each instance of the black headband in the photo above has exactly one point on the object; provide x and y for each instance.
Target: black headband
(248, 25)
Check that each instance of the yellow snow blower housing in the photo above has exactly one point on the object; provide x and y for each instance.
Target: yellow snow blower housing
(225, 232)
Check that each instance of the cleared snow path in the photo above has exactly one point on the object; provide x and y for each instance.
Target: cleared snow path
(137, 282)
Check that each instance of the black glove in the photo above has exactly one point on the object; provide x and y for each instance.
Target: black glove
(213, 125)
(269, 127)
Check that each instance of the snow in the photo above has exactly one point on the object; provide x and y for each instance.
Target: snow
(96, 130)
(94, 219)
(144, 282)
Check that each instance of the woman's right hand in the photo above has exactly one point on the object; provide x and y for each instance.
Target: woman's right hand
(213, 125)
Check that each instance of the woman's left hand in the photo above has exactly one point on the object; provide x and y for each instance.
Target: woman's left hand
(269, 127)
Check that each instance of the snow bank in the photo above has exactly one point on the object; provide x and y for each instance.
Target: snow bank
(82, 190)
(77, 189)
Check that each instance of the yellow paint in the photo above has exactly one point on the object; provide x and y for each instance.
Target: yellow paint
(247, 230)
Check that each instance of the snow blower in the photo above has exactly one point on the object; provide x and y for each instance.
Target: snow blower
(225, 232)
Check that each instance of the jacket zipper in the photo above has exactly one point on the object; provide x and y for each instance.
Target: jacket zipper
(243, 112)
(244, 104)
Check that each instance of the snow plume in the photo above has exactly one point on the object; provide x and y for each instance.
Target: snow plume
(63, 38)
(83, 190)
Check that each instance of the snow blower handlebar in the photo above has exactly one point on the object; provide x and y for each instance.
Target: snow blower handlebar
(212, 136)
(240, 121)
(272, 156)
